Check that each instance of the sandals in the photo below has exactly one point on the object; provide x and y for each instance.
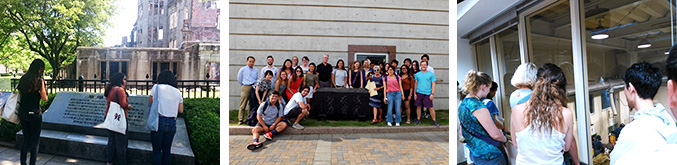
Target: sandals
(408, 122)
(374, 121)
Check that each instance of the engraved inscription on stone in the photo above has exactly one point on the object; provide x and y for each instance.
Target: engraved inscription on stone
(88, 110)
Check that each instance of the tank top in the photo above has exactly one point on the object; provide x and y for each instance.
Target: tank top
(392, 84)
(533, 148)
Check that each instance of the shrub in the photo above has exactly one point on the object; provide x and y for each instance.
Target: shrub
(202, 122)
(8, 130)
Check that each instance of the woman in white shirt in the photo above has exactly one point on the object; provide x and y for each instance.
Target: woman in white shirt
(543, 126)
(170, 104)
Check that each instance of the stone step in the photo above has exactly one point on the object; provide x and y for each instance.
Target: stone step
(247, 130)
(93, 147)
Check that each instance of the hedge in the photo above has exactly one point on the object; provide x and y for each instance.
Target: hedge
(8, 130)
(202, 122)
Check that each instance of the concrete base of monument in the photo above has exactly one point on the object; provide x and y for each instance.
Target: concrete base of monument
(93, 147)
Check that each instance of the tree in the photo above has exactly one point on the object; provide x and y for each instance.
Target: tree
(54, 29)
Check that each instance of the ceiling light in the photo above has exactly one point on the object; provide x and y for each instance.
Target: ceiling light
(600, 36)
(601, 31)
(644, 43)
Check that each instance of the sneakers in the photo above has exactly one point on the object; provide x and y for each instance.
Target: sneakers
(390, 124)
(268, 136)
(417, 122)
(435, 123)
(397, 124)
(297, 126)
(254, 145)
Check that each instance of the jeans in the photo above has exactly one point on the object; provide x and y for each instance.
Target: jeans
(162, 140)
(497, 161)
(31, 125)
(394, 100)
(116, 147)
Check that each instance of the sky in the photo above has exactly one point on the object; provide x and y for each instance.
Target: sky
(122, 23)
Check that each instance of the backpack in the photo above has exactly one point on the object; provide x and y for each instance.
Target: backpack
(252, 120)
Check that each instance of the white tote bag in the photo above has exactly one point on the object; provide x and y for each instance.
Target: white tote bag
(11, 108)
(115, 119)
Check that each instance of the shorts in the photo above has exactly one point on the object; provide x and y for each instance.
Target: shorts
(406, 94)
(310, 93)
(259, 125)
(294, 113)
(423, 101)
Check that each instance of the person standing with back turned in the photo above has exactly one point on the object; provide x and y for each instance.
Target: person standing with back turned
(170, 104)
(32, 90)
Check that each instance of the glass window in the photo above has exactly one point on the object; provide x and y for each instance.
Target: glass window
(483, 51)
(507, 44)
(549, 41)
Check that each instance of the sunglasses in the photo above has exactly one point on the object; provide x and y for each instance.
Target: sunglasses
(299, 71)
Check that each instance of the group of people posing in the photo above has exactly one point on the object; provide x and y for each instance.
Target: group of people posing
(32, 90)
(543, 123)
(282, 97)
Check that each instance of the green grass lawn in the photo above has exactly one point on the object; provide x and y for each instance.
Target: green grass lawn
(442, 119)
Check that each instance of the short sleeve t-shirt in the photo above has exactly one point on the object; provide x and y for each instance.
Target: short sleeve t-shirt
(271, 113)
(493, 109)
(425, 80)
(471, 126)
(340, 77)
(168, 99)
(294, 102)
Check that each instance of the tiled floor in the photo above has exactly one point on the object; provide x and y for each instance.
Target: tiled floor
(400, 148)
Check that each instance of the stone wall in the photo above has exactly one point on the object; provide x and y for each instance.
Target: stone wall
(192, 63)
(192, 20)
(312, 28)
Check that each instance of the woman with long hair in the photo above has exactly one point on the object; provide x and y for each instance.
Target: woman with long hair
(394, 96)
(355, 76)
(339, 77)
(170, 104)
(281, 85)
(378, 100)
(544, 124)
(286, 67)
(312, 81)
(295, 82)
(31, 89)
(415, 67)
(481, 134)
(366, 70)
(117, 142)
(407, 84)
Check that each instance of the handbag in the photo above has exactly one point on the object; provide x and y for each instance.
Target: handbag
(154, 115)
(115, 119)
(11, 108)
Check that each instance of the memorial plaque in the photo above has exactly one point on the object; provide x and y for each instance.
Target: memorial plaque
(87, 110)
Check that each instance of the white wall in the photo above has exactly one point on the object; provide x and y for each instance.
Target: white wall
(466, 61)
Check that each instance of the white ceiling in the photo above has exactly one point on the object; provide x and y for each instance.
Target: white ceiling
(473, 13)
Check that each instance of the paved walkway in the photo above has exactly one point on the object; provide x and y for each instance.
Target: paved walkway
(10, 156)
(400, 148)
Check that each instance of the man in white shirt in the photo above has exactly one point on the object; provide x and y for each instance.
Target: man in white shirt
(648, 133)
(426, 58)
(297, 107)
(270, 67)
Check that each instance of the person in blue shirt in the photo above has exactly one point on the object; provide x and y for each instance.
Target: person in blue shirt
(481, 134)
(493, 109)
(425, 92)
(246, 77)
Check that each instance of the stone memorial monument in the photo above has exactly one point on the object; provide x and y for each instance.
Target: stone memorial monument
(72, 127)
